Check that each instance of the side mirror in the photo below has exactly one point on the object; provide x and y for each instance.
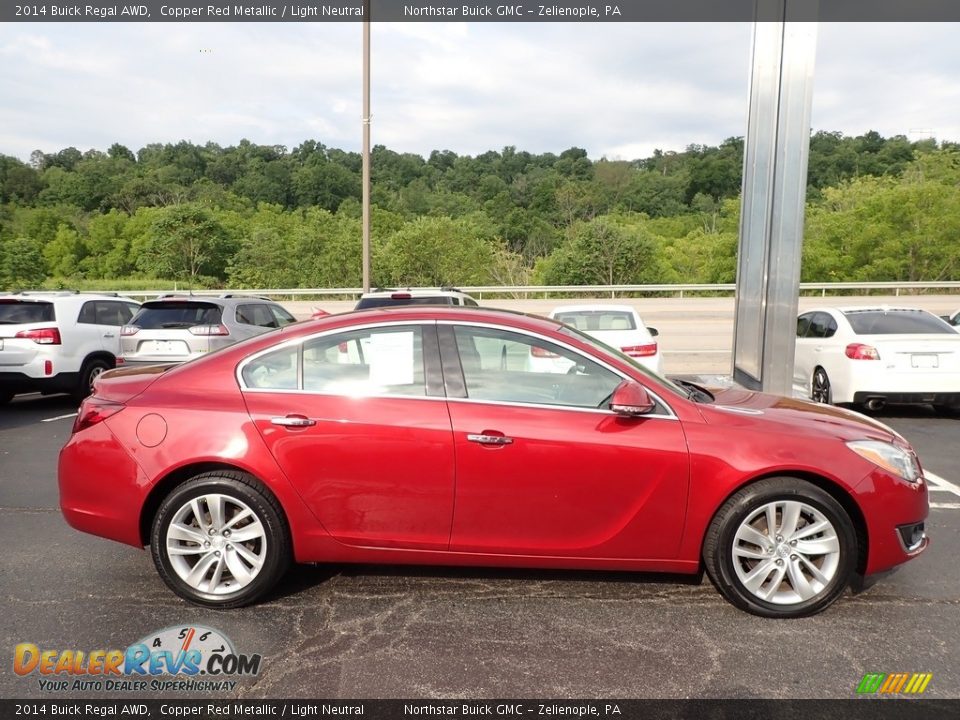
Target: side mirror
(653, 331)
(630, 399)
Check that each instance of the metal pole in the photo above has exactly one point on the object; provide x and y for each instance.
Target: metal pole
(366, 146)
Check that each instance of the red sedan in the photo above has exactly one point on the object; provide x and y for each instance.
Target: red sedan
(426, 435)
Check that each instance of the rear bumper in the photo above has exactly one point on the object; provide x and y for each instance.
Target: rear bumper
(18, 382)
(102, 488)
(909, 398)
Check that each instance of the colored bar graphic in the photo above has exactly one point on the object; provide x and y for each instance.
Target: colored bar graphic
(893, 683)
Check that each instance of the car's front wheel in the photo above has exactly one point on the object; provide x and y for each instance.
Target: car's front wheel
(781, 548)
(220, 540)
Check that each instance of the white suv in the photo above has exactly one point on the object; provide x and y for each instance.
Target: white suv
(414, 296)
(54, 342)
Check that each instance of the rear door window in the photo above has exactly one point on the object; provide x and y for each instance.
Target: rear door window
(18, 312)
(256, 314)
(171, 315)
(112, 312)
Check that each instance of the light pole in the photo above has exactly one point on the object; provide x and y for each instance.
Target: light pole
(366, 146)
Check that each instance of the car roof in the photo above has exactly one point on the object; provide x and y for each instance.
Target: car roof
(449, 313)
(864, 308)
(223, 300)
(387, 292)
(53, 295)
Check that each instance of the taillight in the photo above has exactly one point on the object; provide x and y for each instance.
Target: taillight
(401, 296)
(540, 352)
(94, 410)
(44, 336)
(647, 350)
(859, 351)
(128, 330)
(209, 330)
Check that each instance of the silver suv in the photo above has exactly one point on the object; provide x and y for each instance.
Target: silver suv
(177, 328)
(414, 296)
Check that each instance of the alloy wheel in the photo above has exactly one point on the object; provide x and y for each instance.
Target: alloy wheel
(216, 544)
(786, 552)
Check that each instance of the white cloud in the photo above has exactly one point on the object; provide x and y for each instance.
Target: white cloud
(618, 90)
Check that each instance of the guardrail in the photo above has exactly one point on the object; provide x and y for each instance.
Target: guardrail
(526, 291)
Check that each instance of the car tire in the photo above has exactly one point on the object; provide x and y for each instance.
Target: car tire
(949, 411)
(820, 390)
(5, 397)
(781, 574)
(201, 559)
(90, 371)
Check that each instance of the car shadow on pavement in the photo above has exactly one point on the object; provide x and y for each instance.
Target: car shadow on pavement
(303, 578)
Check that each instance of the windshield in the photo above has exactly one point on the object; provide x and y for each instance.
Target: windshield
(17, 312)
(176, 314)
(602, 346)
(375, 302)
(896, 322)
(597, 320)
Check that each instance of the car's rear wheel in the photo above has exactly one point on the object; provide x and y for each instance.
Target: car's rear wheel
(781, 548)
(91, 370)
(5, 397)
(220, 540)
(820, 390)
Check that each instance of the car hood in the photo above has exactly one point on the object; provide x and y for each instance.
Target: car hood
(736, 406)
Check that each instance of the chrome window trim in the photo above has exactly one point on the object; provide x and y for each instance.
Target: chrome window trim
(238, 372)
(671, 414)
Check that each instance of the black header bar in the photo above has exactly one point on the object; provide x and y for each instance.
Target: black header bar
(480, 11)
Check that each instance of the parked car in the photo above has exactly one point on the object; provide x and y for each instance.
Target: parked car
(427, 451)
(177, 328)
(953, 320)
(414, 296)
(618, 326)
(873, 356)
(58, 342)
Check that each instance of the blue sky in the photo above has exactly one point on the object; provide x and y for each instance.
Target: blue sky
(618, 90)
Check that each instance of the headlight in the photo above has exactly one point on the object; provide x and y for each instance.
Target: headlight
(900, 462)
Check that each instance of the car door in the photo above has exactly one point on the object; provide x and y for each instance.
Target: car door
(364, 437)
(111, 315)
(803, 357)
(542, 468)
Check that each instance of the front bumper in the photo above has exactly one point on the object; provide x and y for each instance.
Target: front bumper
(889, 504)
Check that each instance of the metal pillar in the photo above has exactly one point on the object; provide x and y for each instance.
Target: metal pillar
(366, 147)
(773, 200)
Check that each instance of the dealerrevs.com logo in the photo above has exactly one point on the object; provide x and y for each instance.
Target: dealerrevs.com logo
(187, 659)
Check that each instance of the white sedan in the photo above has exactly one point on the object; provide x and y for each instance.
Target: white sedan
(873, 356)
(618, 326)
(954, 320)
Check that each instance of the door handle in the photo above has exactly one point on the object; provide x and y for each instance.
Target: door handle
(490, 439)
(295, 421)
(109, 335)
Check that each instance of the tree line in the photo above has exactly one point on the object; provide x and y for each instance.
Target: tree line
(265, 216)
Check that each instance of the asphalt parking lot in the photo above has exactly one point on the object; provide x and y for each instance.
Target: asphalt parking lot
(369, 632)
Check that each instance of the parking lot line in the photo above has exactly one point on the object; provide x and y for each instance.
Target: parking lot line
(60, 417)
(935, 483)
